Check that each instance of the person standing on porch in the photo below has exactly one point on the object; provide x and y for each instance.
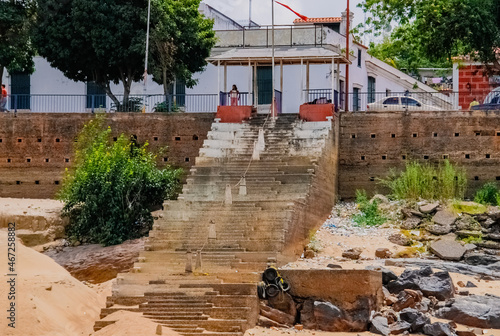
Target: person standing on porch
(234, 94)
(3, 99)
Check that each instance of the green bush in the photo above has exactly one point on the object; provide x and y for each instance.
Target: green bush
(488, 194)
(370, 214)
(113, 187)
(427, 182)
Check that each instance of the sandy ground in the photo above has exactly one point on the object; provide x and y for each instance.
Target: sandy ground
(29, 206)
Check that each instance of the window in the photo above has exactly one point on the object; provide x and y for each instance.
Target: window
(96, 97)
(359, 58)
(387, 92)
(20, 89)
(391, 101)
(409, 102)
(371, 89)
(356, 100)
(342, 95)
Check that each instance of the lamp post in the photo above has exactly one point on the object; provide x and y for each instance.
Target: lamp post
(347, 56)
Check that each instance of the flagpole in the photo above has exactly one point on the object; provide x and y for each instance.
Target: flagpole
(272, 53)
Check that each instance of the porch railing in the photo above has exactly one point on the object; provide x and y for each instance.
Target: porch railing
(244, 98)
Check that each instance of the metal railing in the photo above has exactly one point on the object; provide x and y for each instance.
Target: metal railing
(67, 103)
(278, 96)
(244, 98)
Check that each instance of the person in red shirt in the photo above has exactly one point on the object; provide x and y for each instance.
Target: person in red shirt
(3, 101)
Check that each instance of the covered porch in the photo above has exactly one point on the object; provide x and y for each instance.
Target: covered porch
(292, 88)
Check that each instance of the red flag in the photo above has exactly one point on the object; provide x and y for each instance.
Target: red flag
(303, 17)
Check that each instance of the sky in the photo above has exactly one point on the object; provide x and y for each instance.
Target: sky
(261, 9)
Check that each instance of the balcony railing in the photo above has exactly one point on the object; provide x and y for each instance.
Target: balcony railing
(244, 98)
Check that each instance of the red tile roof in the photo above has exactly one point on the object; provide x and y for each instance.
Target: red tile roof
(319, 20)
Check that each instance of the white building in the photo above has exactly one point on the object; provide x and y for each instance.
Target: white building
(309, 63)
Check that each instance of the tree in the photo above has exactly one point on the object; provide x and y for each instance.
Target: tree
(16, 50)
(443, 28)
(113, 187)
(181, 42)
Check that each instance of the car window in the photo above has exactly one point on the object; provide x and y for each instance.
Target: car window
(391, 101)
(409, 101)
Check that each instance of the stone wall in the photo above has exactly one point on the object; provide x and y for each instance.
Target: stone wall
(372, 143)
(35, 148)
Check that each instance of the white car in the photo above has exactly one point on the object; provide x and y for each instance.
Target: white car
(398, 103)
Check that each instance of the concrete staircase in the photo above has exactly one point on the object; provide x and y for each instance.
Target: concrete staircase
(287, 191)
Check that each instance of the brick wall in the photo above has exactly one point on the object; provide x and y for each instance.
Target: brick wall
(35, 148)
(478, 87)
(373, 143)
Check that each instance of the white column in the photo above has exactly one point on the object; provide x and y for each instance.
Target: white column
(218, 78)
(333, 77)
(302, 100)
(225, 77)
(250, 87)
(281, 76)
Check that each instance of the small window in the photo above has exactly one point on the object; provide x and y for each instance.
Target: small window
(498, 178)
(457, 134)
(58, 140)
(28, 160)
(359, 58)
(414, 135)
(434, 134)
(353, 136)
(47, 160)
(498, 133)
(373, 135)
(186, 159)
(476, 178)
(478, 133)
(155, 138)
(403, 157)
(56, 182)
(488, 156)
(115, 138)
(165, 159)
(393, 135)
(195, 137)
(384, 157)
(363, 158)
(372, 179)
(467, 156)
(446, 156)
(39, 140)
(426, 157)
(19, 140)
(9, 160)
(1, 140)
(37, 182)
(177, 138)
(66, 160)
(18, 182)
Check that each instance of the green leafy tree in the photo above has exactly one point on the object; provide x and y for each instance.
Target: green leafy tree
(442, 29)
(181, 42)
(113, 188)
(16, 50)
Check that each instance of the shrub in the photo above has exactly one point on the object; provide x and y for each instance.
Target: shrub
(113, 187)
(488, 194)
(427, 182)
(370, 214)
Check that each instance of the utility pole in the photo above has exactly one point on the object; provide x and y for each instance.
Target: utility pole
(347, 56)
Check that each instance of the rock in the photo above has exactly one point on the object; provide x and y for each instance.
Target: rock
(465, 333)
(277, 315)
(379, 199)
(409, 212)
(494, 213)
(463, 292)
(460, 284)
(380, 326)
(334, 266)
(399, 239)
(480, 259)
(353, 253)
(329, 317)
(492, 236)
(488, 223)
(444, 218)
(429, 208)
(383, 253)
(474, 310)
(309, 254)
(438, 329)
(470, 247)
(489, 244)
(391, 315)
(411, 223)
(399, 327)
(407, 298)
(285, 303)
(387, 274)
(438, 229)
(416, 319)
(468, 233)
(298, 327)
(438, 284)
(268, 323)
(470, 284)
(447, 249)
(467, 223)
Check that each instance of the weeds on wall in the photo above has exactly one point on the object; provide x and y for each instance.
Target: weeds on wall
(110, 192)
(425, 181)
(488, 194)
(369, 212)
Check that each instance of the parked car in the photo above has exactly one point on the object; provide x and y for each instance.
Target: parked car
(491, 102)
(397, 103)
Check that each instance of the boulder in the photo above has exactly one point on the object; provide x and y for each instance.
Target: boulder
(474, 310)
(409, 212)
(379, 199)
(399, 239)
(334, 266)
(391, 315)
(268, 323)
(447, 249)
(383, 253)
(470, 284)
(309, 254)
(411, 223)
(488, 223)
(477, 259)
(438, 284)
(407, 298)
(416, 319)
(277, 315)
(387, 274)
(285, 303)
(326, 316)
(494, 213)
(399, 327)
(468, 223)
(489, 244)
(438, 229)
(469, 233)
(380, 326)
(444, 218)
(353, 253)
(429, 207)
(439, 329)
(492, 236)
